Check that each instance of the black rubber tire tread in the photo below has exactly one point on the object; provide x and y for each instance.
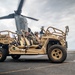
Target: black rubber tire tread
(15, 57)
(4, 54)
(63, 58)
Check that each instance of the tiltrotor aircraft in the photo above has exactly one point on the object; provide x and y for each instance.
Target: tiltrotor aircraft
(21, 21)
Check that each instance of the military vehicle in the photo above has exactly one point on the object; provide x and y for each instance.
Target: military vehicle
(52, 43)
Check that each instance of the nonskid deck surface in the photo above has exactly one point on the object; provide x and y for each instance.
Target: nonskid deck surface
(38, 65)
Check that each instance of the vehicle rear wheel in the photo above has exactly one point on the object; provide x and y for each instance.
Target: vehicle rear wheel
(57, 54)
(15, 56)
(2, 55)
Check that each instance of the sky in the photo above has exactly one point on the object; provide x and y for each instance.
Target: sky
(56, 13)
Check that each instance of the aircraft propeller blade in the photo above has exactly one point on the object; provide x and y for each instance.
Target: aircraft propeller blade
(20, 7)
(30, 18)
(8, 16)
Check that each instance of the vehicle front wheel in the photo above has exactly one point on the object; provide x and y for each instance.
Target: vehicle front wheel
(16, 57)
(2, 55)
(57, 54)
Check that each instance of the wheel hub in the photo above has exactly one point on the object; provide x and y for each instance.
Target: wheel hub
(56, 54)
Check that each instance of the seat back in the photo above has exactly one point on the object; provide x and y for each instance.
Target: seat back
(27, 41)
(22, 42)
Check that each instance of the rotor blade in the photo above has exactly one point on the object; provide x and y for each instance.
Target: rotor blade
(30, 18)
(20, 7)
(8, 16)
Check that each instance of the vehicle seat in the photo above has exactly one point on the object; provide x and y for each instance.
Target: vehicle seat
(30, 44)
(22, 42)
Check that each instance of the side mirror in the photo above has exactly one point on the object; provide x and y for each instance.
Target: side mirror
(66, 30)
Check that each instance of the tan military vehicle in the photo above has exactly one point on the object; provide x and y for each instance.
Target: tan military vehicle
(53, 43)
